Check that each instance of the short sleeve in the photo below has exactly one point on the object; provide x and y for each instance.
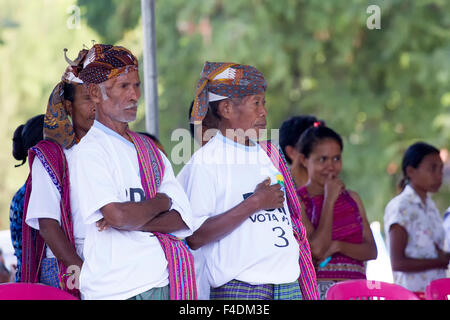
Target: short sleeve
(199, 184)
(92, 182)
(396, 213)
(44, 198)
(180, 202)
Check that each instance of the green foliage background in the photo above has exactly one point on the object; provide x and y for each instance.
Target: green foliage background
(380, 89)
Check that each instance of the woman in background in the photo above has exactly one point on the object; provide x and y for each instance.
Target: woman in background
(413, 225)
(25, 136)
(335, 220)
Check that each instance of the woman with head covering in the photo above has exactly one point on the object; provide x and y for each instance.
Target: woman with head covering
(25, 136)
(53, 256)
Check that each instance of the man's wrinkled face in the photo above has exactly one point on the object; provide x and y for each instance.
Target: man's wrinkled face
(250, 115)
(120, 97)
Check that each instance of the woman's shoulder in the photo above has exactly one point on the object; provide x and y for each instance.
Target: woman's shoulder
(354, 195)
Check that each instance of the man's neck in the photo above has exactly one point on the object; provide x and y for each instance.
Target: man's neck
(244, 140)
(116, 126)
(79, 133)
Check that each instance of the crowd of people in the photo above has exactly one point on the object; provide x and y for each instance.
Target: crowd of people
(243, 219)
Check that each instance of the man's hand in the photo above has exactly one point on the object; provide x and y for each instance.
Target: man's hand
(163, 203)
(268, 196)
(163, 196)
(102, 225)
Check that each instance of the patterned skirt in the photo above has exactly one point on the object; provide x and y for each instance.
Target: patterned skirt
(50, 272)
(238, 290)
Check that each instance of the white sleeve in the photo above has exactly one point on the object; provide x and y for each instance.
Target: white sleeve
(198, 181)
(44, 198)
(92, 182)
(180, 202)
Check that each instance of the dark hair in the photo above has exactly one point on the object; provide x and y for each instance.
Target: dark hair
(69, 91)
(314, 135)
(191, 125)
(26, 136)
(292, 129)
(413, 157)
(211, 116)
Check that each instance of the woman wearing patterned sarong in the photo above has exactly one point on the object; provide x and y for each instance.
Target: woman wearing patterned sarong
(335, 219)
(52, 255)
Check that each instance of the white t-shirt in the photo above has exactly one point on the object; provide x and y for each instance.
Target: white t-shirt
(45, 203)
(423, 224)
(119, 264)
(262, 249)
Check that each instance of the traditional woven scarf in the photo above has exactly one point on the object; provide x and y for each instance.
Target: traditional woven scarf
(229, 80)
(307, 279)
(57, 125)
(104, 62)
(180, 260)
(54, 161)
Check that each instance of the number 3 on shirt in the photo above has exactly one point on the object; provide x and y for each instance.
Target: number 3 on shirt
(282, 239)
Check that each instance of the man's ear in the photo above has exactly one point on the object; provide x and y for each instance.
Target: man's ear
(225, 109)
(95, 93)
(68, 107)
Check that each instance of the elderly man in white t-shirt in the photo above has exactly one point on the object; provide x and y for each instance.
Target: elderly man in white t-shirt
(244, 229)
(127, 259)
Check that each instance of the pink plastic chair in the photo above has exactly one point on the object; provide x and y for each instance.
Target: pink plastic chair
(368, 290)
(32, 291)
(438, 289)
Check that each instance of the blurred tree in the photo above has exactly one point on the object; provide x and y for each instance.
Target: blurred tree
(4, 24)
(381, 89)
(111, 18)
(32, 58)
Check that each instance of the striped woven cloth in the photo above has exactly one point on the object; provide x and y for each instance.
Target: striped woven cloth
(307, 279)
(238, 290)
(54, 161)
(347, 226)
(180, 260)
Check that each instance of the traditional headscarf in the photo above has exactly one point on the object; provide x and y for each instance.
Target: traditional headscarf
(220, 80)
(104, 62)
(57, 125)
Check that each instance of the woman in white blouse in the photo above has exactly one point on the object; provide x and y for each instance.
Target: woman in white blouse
(413, 224)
